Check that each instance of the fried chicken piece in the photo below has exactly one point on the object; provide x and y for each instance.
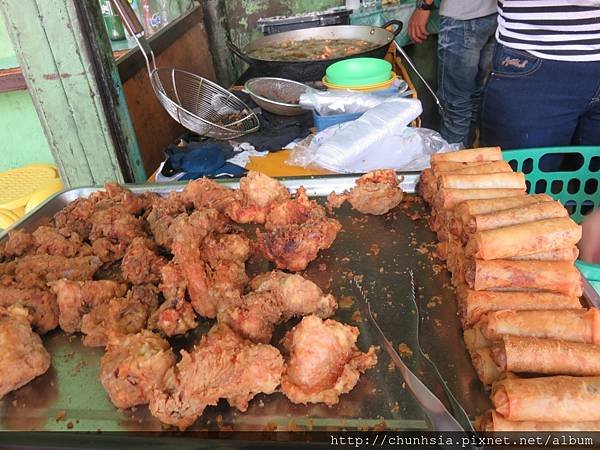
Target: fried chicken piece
(40, 304)
(162, 214)
(293, 247)
(249, 204)
(175, 315)
(133, 366)
(75, 217)
(38, 270)
(113, 229)
(122, 316)
(50, 241)
(277, 297)
(324, 361)
(18, 243)
(298, 295)
(294, 211)
(23, 355)
(77, 298)
(141, 264)
(222, 365)
(376, 193)
(218, 247)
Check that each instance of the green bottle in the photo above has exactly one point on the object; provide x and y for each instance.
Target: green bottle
(113, 23)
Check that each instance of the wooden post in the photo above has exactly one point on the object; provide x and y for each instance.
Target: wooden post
(64, 52)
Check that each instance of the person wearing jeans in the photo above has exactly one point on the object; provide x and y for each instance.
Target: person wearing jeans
(544, 89)
(465, 46)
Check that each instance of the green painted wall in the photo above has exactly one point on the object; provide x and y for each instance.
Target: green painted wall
(22, 140)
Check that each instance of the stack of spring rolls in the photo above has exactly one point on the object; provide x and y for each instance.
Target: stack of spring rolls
(512, 256)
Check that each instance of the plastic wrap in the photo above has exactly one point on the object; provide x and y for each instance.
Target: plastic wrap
(380, 138)
(349, 102)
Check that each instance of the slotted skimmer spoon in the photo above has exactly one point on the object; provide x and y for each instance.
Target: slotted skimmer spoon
(196, 103)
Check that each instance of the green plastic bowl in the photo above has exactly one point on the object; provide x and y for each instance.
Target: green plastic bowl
(359, 72)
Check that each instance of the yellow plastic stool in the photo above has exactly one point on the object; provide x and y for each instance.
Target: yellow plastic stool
(17, 185)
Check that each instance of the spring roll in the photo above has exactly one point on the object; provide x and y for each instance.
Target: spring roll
(476, 168)
(454, 166)
(573, 325)
(514, 216)
(501, 180)
(475, 340)
(492, 421)
(500, 274)
(470, 208)
(427, 185)
(524, 239)
(469, 155)
(473, 304)
(549, 399)
(560, 254)
(548, 356)
(487, 370)
(447, 198)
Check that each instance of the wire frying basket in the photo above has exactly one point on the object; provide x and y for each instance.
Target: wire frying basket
(196, 103)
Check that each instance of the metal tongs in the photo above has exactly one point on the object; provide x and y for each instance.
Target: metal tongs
(434, 409)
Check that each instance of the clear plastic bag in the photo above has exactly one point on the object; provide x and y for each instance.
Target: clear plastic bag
(327, 103)
(379, 139)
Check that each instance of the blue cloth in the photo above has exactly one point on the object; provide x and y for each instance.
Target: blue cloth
(532, 102)
(464, 58)
(199, 160)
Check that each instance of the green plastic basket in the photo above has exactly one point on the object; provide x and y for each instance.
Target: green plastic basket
(577, 189)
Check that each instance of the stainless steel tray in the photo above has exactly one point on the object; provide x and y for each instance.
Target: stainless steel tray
(380, 249)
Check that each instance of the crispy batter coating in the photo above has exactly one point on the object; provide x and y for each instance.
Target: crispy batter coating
(133, 366)
(141, 264)
(324, 361)
(294, 211)
(376, 193)
(249, 204)
(40, 304)
(50, 241)
(175, 315)
(19, 243)
(294, 246)
(122, 316)
(113, 229)
(219, 247)
(277, 296)
(38, 270)
(23, 355)
(222, 365)
(77, 298)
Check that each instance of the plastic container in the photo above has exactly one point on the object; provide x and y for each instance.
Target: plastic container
(322, 122)
(578, 190)
(279, 24)
(359, 72)
(364, 88)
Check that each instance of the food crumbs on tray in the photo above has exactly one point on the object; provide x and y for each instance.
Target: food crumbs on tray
(395, 408)
(356, 317)
(381, 270)
(322, 267)
(438, 322)
(309, 424)
(405, 350)
(434, 301)
(345, 302)
(374, 249)
(391, 367)
(62, 415)
(70, 425)
(15, 402)
(403, 385)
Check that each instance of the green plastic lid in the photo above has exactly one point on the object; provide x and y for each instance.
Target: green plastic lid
(359, 72)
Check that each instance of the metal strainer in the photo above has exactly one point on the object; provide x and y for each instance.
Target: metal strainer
(196, 103)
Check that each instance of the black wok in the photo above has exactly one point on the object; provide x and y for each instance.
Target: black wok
(314, 70)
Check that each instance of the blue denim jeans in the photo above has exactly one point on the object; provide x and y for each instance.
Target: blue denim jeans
(464, 58)
(532, 102)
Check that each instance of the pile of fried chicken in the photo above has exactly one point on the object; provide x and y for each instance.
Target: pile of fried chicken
(129, 271)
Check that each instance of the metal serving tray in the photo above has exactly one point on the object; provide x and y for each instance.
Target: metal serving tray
(378, 248)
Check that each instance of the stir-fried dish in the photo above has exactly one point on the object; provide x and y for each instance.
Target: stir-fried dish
(311, 49)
